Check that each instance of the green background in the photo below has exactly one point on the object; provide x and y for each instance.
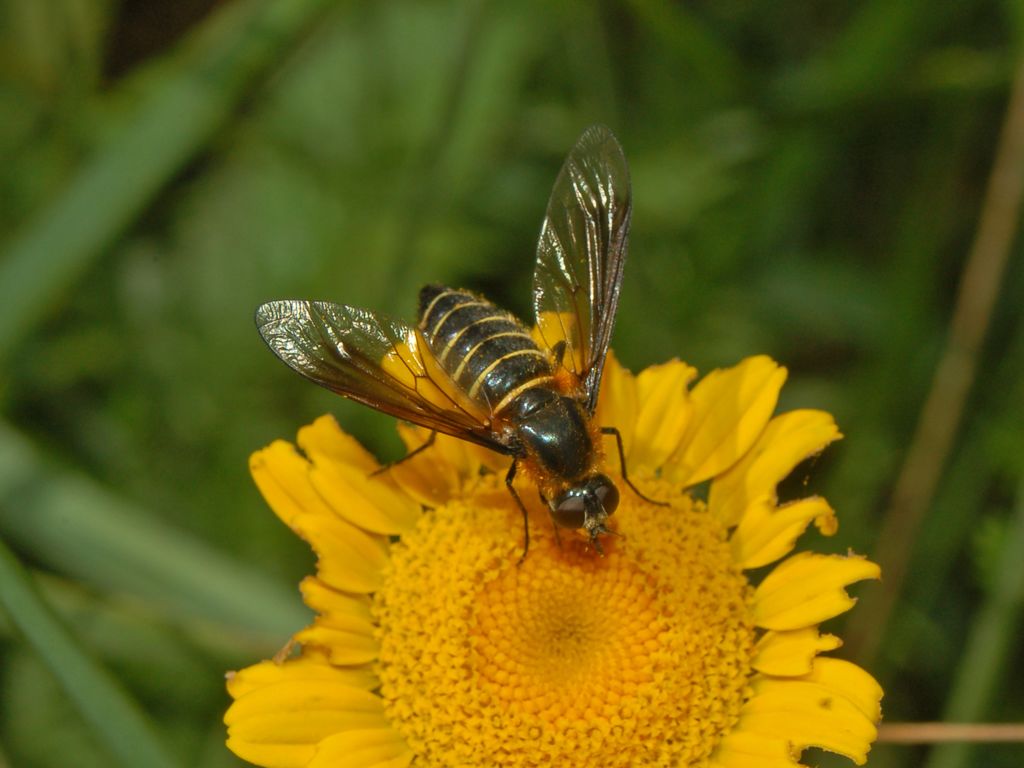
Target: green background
(808, 179)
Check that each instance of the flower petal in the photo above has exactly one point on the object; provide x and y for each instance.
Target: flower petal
(786, 441)
(280, 724)
(467, 458)
(743, 749)
(271, 755)
(430, 476)
(664, 411)
(806, 722)
(343, 627)
(347, 558)
(282, 476)
(327, 601)
(444, 471)
(807, 588)
(311, 665)
(856, 685)
(836, 707)
(364, 748)
(350, 559)
(325, 437)
(373, 502)
(730, 409)
(309, 705)
(767, 532)
(344, 475)
(792, 653)
(346, 645)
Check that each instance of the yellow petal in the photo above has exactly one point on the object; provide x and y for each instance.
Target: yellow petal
(302, 706)
(271, 755)
(467, 458)
(280, 724)
(617, 407)
(856, 685)
(311, 665)
(807, 588)
(836, 707)
(823, 728)
(343, 627)
(446, 470)
(282, 476)
(664, 412)
(429, 477)
(743, 749)
(325, 437)
(786, 441)
(730, 409)
(341, 477)
(366, 748)
(344, 644)
(329, 602)
(791, 654)
(350, 558)
(373, 502)
(767, 532)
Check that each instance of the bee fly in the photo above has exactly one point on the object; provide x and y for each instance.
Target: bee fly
(471, 370)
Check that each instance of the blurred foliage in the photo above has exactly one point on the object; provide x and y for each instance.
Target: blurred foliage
(807, 180)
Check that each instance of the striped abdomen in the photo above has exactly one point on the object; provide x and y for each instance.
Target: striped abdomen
(486, 350)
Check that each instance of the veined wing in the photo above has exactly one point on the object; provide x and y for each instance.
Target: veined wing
(581, 253)
(374, 360)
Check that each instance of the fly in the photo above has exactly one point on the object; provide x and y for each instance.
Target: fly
(472, 370)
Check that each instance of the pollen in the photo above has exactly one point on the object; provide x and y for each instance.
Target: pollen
(639, 657)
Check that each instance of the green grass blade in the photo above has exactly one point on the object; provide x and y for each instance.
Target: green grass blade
(108, 710)
(168, 127)
(77, 527)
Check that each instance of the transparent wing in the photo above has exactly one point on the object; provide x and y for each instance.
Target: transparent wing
(374, 360)
(580, 256)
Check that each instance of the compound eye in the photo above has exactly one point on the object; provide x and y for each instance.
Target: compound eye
(607, 494)
(569, 511)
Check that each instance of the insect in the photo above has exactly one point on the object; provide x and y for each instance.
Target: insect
(471, 370)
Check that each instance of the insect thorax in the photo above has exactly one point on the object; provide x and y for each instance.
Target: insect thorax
(553, 430)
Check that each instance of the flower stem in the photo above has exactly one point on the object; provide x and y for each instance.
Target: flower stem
(939, 733)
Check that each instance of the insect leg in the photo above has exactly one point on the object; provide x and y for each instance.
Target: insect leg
(622, 464)
(554, 525)
(522, 508)
(415, 451)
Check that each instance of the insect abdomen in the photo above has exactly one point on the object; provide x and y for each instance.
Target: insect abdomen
(486, 350)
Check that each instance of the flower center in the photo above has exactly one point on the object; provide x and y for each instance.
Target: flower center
(641, 656)
(563, 636)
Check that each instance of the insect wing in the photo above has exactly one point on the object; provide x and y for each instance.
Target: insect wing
(373, 360)
(580, 256)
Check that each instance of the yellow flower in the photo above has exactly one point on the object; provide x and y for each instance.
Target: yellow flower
(432, 647)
